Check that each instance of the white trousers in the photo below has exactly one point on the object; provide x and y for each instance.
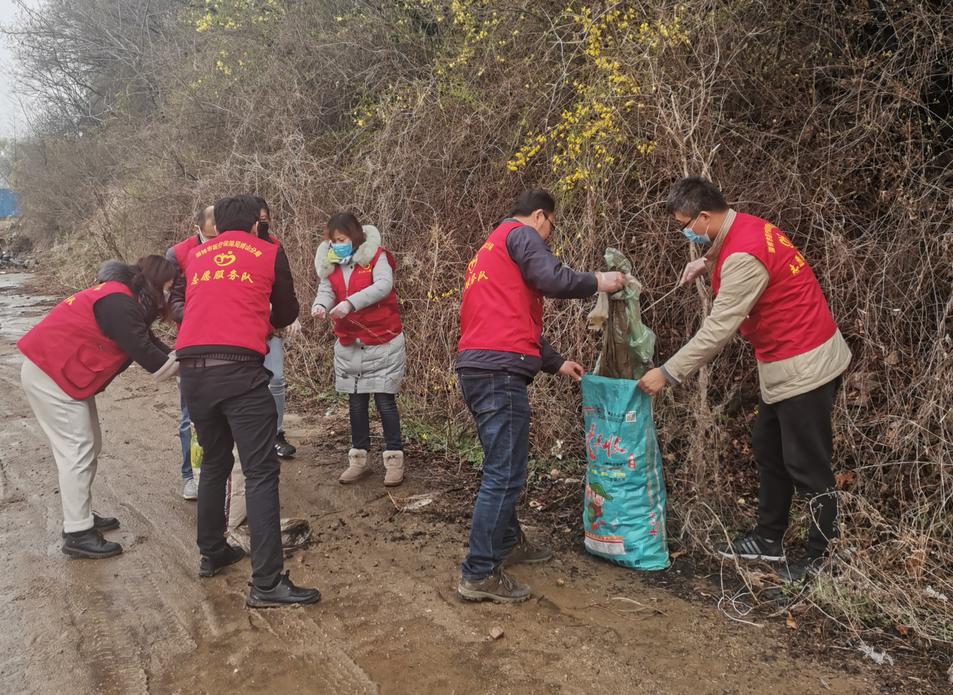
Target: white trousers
(73, 430)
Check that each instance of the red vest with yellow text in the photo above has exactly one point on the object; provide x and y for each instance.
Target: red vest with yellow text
(791, 317)
(70, 348)
(373, 325)
(499, 310)
(228, 283)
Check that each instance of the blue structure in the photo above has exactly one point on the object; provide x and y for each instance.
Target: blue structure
(8, 204)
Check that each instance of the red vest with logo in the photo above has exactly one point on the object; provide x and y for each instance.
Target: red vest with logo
(181, 250)
(499, 310)
(373, 325)
(791, 317)
(228, 283)
(70, 348)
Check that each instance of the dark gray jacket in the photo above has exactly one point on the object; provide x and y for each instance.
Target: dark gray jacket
(542, 270)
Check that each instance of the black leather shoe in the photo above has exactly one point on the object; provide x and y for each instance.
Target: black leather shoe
(90, 544)
(209, 567)
(284, 593)
(102, 523)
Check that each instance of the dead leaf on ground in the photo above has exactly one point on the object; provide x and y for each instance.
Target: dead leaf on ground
(844, 480)
(791, 622)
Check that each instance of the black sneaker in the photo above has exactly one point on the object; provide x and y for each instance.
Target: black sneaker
(499, 587)
(803, 569)
(90, 544)
(209, 567)
(283, 447)
(751, 546)
(284, 593)
(102, 523)
(526, 552)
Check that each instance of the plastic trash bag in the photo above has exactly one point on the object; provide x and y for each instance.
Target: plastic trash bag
(628, 344)
(624, 507)
(195, 452)
(624, 510)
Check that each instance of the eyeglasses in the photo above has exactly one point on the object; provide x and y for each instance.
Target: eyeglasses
(690, 222)
(552, 223)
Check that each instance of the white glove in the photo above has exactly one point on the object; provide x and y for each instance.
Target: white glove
(169, 369)
(341, 310)
(693, 270)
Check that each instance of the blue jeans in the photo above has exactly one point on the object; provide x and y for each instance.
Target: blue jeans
(275, 363)
(499, 403)
(185, 436)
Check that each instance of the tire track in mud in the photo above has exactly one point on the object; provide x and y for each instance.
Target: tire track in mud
(108, 645)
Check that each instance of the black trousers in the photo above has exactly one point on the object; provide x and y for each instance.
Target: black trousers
(793, 444)
(231, 405)
(359, 410)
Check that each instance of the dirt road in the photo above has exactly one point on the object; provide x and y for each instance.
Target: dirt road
(389, 621)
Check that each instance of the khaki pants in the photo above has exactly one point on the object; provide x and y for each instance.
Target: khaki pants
(235, 499)
(73, 430)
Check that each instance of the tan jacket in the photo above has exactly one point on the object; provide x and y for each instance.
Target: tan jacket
(743, 279)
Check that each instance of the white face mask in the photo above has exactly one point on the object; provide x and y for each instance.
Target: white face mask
(166, 294)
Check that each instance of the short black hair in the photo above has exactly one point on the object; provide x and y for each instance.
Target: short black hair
(238, 212)
(532, 200)
(693, 194)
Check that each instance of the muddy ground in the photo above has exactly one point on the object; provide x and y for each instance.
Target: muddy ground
(389, 620)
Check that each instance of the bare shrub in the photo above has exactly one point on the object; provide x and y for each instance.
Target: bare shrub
(425, 118)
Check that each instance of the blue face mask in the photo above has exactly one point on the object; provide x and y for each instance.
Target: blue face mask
(699, 239)
(343, 250)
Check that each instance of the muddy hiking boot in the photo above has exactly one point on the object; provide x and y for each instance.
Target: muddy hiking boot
(284, 593)
(526, 552)
(90, 544)
(283, 447)
(102, 523)
(393, 468)
(751, 546)
(210, 566)
(499, 587)
(357, 467)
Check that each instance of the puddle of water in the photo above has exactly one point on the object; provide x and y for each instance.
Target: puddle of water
(19, 310)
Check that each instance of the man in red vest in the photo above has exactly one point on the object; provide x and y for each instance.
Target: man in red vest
(203, 229)
(765, 289)
(501, 350)
(238, 290)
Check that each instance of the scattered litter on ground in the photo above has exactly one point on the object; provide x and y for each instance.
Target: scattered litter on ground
(878, 657)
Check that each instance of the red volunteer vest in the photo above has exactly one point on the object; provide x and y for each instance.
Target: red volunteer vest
(373, 325)
(499, 310)
(791, 317)
(228, 283)
(181, 250)
(70, 348)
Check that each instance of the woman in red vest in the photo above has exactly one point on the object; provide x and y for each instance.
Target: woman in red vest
(357, 292)
(765, 289)
(74, 353)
